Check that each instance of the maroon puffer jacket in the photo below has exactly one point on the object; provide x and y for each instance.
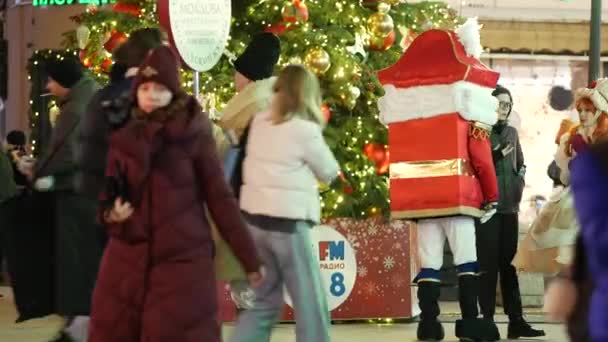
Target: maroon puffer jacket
(156, 281)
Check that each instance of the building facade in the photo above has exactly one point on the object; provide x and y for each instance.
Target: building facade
(28, 28)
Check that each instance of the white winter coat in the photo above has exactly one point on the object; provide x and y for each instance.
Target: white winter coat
(282, 166)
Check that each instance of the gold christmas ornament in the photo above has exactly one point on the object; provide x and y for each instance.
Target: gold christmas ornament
(317, 60)
(355, 92)
(92, 8)
(380, 25)
(374, 212)
(384, 7)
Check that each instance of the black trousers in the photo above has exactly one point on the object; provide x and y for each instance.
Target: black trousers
(496, 246)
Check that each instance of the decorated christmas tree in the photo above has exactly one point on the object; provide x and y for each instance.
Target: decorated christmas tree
(344, 42)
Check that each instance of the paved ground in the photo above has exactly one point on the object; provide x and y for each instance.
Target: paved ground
(42, 330)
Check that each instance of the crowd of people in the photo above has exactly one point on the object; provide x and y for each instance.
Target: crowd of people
(147, 213)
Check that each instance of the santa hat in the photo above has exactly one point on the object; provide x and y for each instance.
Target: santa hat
(597, 93)
(440, 73)
(161, 66)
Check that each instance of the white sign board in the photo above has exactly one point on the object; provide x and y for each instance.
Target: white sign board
(200, 30)
(337, 262)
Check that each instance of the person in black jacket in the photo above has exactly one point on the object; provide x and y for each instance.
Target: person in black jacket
(497, 239)
(109, 110)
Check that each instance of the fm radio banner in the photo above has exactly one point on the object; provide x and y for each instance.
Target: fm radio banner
(337, 262)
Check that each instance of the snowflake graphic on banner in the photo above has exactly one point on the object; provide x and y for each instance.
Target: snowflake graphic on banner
(370, 288)
(389, 262)
(362, 271)
(372, 230)
(398, 225)
(398, 280)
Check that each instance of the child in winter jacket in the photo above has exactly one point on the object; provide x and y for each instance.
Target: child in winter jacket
(286, 155)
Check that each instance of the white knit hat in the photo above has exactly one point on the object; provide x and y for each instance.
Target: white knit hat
(597, 93)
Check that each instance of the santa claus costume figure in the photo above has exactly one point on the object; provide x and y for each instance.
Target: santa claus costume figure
(440, 110)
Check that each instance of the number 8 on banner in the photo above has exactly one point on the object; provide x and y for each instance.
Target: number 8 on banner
(337, 287)
(337, 263)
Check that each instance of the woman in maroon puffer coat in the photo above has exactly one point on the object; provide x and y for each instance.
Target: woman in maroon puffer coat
(157, 281)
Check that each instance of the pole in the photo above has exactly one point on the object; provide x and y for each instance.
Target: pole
(595, 40)
(195, 84)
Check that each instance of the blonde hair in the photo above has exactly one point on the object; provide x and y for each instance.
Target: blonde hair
(298, 94)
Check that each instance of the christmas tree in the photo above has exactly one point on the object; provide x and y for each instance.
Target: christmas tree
(344, 42)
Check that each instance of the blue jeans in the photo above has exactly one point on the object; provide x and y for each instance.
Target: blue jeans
(288, 261)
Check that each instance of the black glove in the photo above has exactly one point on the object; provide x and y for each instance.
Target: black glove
(117, 186)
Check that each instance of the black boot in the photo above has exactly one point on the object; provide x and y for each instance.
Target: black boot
(470, 327)
(429, 328)
(492, 330)
(518, 327)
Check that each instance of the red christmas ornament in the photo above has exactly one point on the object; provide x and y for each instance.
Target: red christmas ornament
(326, 112)
(127, 9)
(116, 38)
(276, 29)
(385, 164)
(346, 187)
(379, 155)
(294, 12)
(86, 60)
(106, 65)
(379, 44)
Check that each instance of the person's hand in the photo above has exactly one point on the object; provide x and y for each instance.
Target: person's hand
(489, 211)
(120, 212)
(25, 165)
(507, 149)
(44, 183)
(255, 278)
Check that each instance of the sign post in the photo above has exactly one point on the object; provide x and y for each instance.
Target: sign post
(198, 31)
(595, 40)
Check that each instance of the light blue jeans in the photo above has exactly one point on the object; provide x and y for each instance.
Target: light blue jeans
(288, 261)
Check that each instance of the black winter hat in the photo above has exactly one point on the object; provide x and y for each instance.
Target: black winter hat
(260, 57)
(502, 90)
(16, 138)
(67, 71)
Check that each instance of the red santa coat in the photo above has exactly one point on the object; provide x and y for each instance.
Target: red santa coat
(439, 109)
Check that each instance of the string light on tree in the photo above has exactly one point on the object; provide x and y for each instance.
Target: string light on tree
(350, 40)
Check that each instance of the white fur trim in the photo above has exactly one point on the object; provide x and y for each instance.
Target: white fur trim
(597, 95)
(469, 36)
(471, 101)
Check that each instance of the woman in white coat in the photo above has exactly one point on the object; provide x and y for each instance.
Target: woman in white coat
(286, 157)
